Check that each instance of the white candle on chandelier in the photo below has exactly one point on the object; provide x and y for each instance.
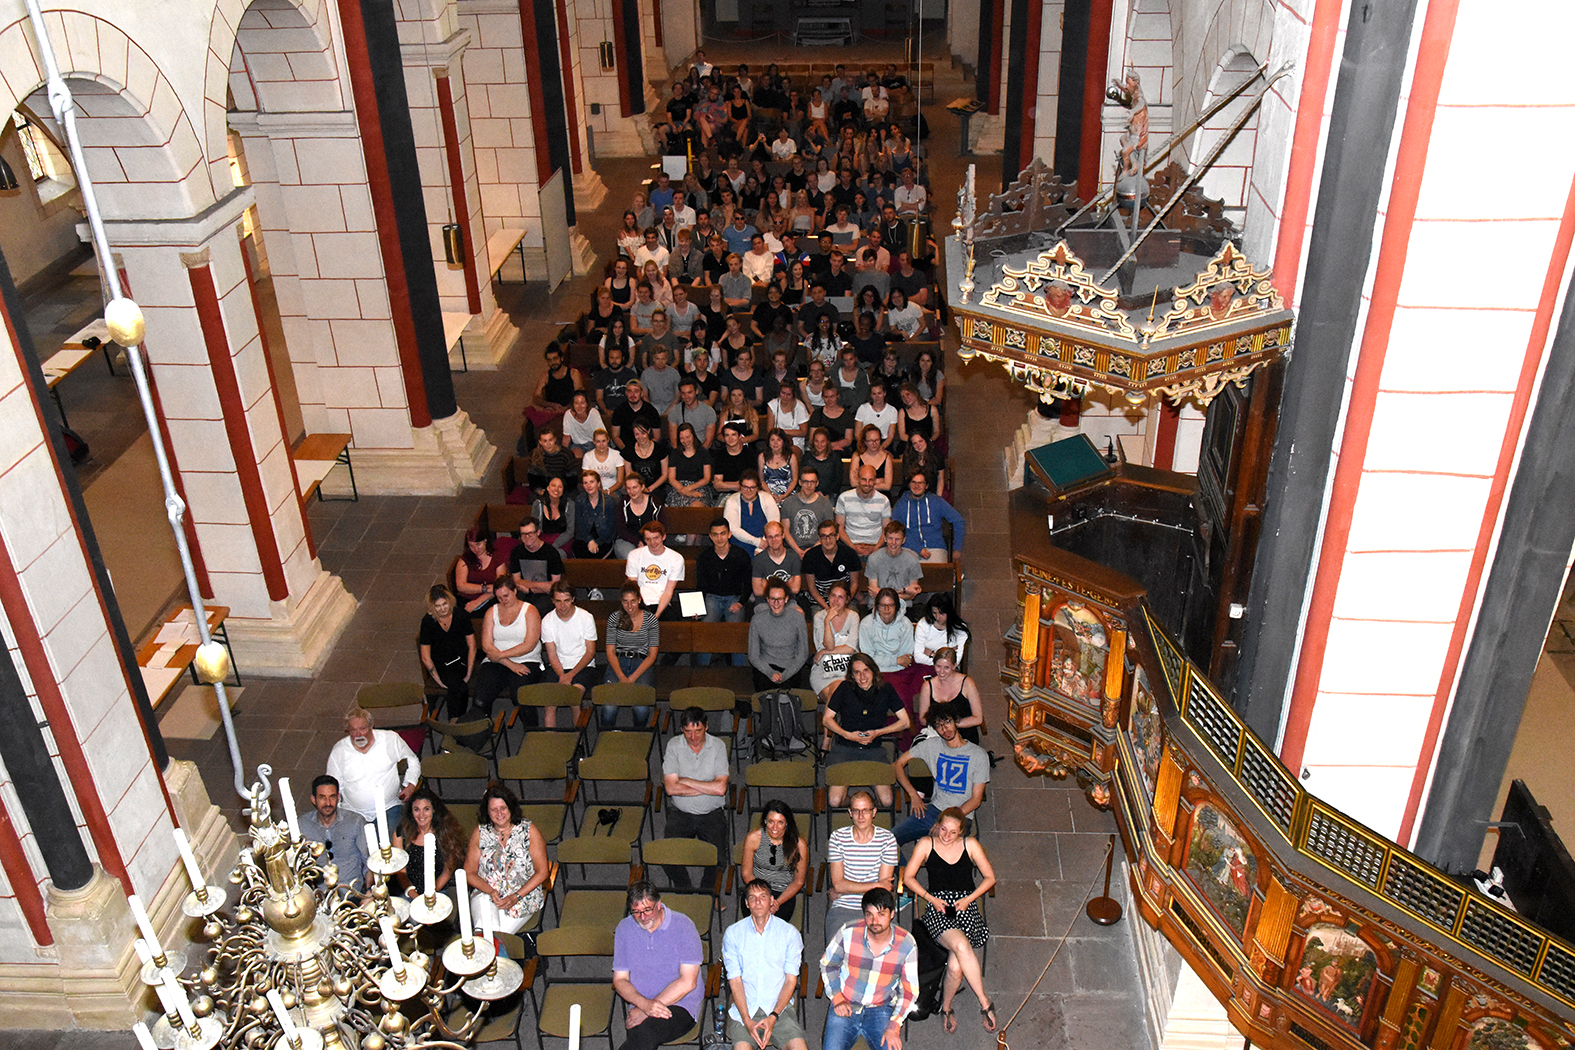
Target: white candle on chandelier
(371, 842)
(144, 1037)
(429, 866)
(144, 953)
(149, 934)
(382, 828)
(287, 800)
(188, 858)
(462, 892)
(488, 934)
(174, 998)
(391, 942)
(282, 1015)
(574, 1026)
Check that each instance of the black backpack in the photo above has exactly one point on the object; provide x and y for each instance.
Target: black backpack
(779, 733)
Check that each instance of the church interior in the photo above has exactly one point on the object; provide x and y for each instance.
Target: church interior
(1269, 506)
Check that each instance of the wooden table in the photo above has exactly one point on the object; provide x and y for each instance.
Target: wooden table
(317, 454)
(60, 365)
(500, 246)
(453, 335)
(165, 657)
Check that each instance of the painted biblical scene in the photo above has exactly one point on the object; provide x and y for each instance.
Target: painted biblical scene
(1079, 648)
(1145, 730)
(1222, 865)
(1337, 972)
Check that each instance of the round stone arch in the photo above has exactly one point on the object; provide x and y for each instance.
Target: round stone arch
(142, 150)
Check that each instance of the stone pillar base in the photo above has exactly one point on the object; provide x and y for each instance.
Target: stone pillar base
(629, 137)
(581, 254)
(589, 190)
(450, 455)
(299, 635)
(98, 973)
(1197, 1020)
(486, 343)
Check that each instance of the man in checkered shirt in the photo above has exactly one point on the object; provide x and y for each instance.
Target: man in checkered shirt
(871, 969)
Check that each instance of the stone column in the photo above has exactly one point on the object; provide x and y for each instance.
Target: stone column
(204, 349)
(314, 210)
(440, 119)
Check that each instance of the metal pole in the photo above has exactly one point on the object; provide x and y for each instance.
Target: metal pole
(64, 107)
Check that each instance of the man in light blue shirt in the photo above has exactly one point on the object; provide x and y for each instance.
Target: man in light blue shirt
(762, 954)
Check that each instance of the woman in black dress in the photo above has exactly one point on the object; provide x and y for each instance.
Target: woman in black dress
(425, 814)
(448, 648)
(949, 857)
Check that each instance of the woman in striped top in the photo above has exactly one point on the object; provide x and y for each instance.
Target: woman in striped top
(632, 647)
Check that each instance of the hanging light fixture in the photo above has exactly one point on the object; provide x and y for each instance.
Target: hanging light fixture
(453, 243)
(7, 177)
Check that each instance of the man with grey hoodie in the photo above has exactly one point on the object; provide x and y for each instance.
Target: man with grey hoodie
(778, 641)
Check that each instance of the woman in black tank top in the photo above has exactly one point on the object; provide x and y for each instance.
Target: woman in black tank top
(949, 857)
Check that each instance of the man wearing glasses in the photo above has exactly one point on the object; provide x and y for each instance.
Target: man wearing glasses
(656, 969)
(861, 857)
(343, 832)
(871, 969)
(778, 641)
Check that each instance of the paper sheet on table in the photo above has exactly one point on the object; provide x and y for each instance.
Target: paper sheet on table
(159, 680)
(691, 603)
(177, 632)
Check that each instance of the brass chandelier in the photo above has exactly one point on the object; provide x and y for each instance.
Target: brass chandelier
(301, 962)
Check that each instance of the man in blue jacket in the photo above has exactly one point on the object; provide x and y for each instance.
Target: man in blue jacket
(922, 512)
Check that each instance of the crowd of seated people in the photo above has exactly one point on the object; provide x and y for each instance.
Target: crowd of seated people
(764, 343)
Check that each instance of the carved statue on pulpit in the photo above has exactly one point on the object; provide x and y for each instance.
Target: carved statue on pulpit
(1128, 92)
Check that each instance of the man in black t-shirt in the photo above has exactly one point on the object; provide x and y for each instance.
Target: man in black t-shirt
(535, 566)
(838, 279)
(829, 561)
(809, 313)
(766, 314)
(611, 382)
(722, 577)
(635, 409)
(729, 463)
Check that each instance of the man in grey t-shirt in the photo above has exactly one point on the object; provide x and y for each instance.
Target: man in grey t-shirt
(961, 770)
(805, 509)
(893, 565)
(694, 777)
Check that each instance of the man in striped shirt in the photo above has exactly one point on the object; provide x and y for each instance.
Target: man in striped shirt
(871, 970)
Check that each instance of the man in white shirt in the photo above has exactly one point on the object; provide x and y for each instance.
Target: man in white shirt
(910, 196)
(683, 213)
(651, 250)
(656, 570)
(568, 641)
(366, 764)
(758, 261)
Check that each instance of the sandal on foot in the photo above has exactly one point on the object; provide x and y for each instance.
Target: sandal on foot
(948, 1020)
(989, 1017)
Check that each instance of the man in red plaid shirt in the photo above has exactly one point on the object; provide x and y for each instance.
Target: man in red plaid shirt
(871, 969)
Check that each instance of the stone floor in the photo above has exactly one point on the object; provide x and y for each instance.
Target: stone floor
(1046, 841)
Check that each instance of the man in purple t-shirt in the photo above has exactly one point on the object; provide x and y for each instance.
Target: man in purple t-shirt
(656, 969)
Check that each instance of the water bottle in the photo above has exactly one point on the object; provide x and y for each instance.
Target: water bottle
(719, 1034)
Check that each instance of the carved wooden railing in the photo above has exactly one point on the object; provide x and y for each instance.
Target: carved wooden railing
(1313, 930)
